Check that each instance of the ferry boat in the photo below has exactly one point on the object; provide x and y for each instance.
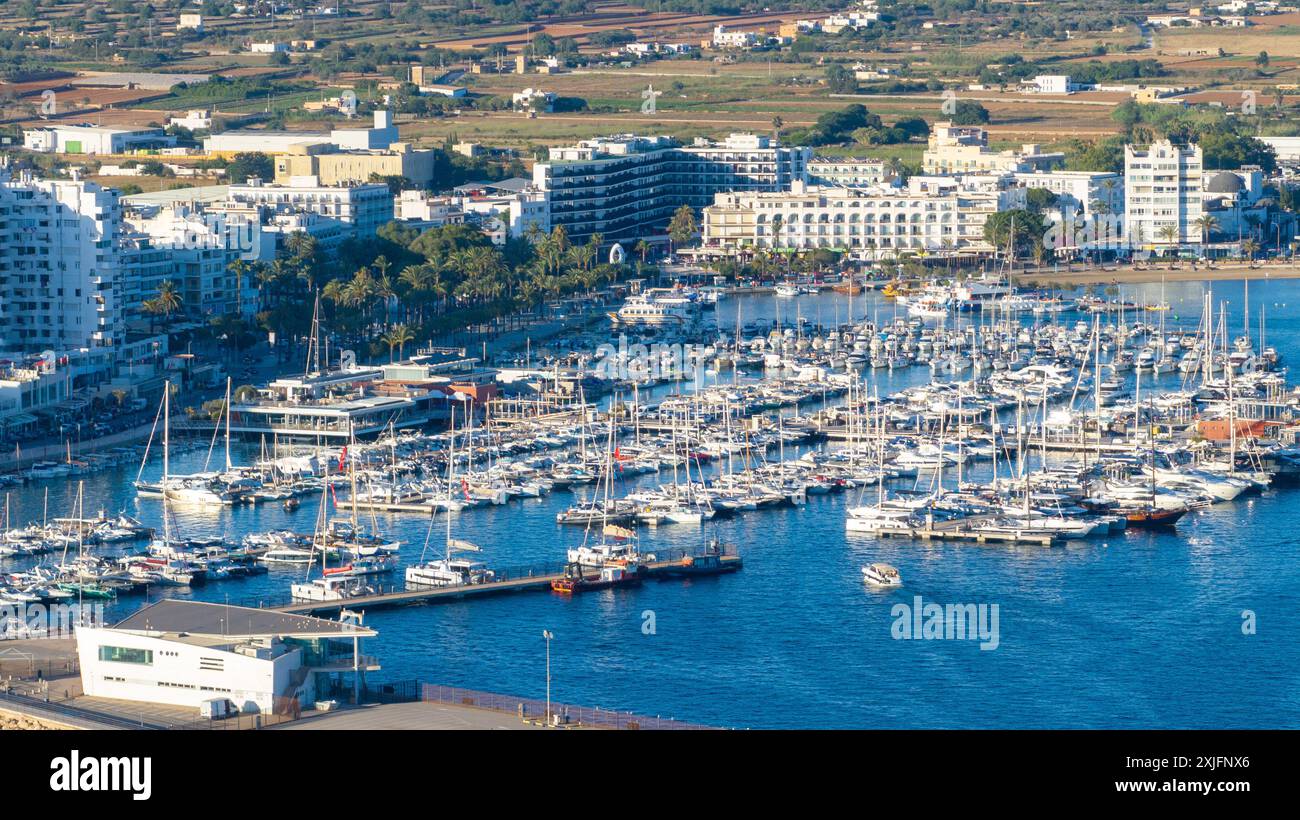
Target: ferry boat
(644, 311)
(882, 575)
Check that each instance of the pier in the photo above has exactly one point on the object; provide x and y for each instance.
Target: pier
(965, 530)
(660, 569)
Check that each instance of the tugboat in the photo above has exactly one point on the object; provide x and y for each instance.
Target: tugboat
(611, 574)
(882, 575)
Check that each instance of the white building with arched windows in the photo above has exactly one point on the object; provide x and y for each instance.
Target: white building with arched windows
(932, 216)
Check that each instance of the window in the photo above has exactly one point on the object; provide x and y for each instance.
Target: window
(122, 654)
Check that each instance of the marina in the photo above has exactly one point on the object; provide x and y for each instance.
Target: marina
(1020, 481)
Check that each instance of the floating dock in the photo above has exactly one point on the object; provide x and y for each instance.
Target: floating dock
(966, 530)
(428, 595)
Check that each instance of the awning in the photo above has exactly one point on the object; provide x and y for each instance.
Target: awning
(20, 419)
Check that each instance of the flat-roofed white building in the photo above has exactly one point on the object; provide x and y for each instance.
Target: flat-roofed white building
(964, 149)
(1087, 191)
(364, 207)
(92, 139)
(184, 653)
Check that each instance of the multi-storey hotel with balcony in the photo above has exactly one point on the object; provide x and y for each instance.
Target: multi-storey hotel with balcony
(934, 215)
(627, 187)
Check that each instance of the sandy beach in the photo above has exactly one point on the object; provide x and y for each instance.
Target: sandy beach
(1128, 275)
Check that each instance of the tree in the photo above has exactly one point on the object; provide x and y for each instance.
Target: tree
(778, 224)
(1027, 228)
(969, 112)
(682, 226)
(1168, 233)
(168, 299)
(398, 337)
(1261, 60)
(1208, 224)
(250, 164)
(840, 80)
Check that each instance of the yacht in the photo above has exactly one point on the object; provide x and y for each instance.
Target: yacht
(448, 572)
(334, 586)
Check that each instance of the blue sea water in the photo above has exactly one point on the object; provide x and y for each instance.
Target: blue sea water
(1135, 630)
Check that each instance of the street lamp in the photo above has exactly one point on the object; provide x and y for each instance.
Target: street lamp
(548, 635)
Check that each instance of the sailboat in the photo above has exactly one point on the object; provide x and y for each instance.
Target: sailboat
(335, 585)
(448, 571)
(614, 555)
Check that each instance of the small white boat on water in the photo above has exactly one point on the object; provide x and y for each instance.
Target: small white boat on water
(881, 575)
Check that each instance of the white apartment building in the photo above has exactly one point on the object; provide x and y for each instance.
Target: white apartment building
(933, 216)
(183, 653)
(964, 149)
(626, 187)
(201, 250)
(60, 277)
(1162, 195)
(145, 266)
(846, 172)
(363, 207)
(1087, 191)
(521, 209)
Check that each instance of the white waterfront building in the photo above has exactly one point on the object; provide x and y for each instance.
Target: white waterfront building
(1162, 195)
(934, 215)
(183, 653)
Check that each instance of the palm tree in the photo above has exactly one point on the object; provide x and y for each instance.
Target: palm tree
(169, 299)
(241, 270)
(642, 247)
(777, 225)
(1208, 223)
(1169, 234)
(1250, 247)
(398, 337)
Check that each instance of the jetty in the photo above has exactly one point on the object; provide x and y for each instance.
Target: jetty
(526, 581)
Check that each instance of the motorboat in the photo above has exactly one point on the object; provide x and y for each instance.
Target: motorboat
(881, 575)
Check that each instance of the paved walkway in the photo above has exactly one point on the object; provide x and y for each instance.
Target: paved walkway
(410, 716)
